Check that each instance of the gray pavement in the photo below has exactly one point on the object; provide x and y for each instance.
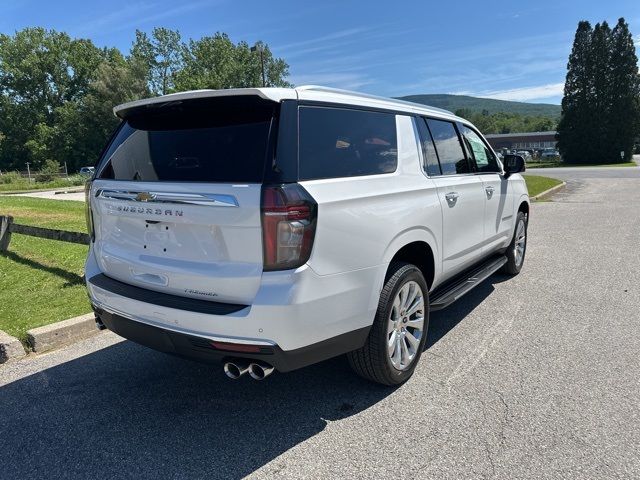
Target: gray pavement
(536, 376)
(55, 195)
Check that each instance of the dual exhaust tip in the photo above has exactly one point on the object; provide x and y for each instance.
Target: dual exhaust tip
(236, 368)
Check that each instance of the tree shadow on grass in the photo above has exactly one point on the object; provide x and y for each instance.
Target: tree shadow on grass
(71, 278)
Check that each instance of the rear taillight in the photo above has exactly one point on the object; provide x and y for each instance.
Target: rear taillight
(87, 210)
(289, 216)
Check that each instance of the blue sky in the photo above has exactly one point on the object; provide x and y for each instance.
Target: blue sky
(499, 49)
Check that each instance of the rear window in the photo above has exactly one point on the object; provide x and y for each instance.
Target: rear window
(204, 140)
(339, 142)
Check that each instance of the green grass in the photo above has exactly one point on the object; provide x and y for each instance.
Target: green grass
(558, 164)
(41, 280)
(537, 184)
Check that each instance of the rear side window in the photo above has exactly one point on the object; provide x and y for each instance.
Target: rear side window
(448, 146)
(205, 140)
(339, 142)
(431, 164)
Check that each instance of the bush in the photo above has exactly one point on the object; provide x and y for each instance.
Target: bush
(10, 177)
(49, 172)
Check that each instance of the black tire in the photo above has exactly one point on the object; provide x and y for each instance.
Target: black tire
(512, 267)
(372, 360)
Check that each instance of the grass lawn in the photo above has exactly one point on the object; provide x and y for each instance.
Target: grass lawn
(537, 184)
(554, 164)
(41, 280)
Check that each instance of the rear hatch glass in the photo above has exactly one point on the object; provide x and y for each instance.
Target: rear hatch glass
(208, 140)
(176, 204)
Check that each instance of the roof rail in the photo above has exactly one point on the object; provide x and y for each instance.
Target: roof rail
(340, 91)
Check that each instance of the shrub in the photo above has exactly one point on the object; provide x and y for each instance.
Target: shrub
(49, 171)
(10, 177)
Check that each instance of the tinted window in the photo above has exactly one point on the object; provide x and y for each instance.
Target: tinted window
(198, 141)
(431, 165)
(450, 153)
(485, 160)
(336, 142)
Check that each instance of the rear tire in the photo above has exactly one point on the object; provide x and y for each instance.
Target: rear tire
(517, 249)
(399, 331)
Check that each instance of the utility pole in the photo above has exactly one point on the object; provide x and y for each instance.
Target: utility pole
(28, 172)
(260, 49)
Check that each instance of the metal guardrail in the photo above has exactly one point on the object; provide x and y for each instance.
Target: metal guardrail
(7, 227)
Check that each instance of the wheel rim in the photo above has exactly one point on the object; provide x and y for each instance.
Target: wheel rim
(520, 243)
(405, 326)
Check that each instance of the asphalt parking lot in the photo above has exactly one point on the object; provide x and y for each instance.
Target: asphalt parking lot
(536, 376)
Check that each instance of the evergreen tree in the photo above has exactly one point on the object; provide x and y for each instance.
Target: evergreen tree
(624, 118)
(601, 104)
(573, 134)
(597, 123)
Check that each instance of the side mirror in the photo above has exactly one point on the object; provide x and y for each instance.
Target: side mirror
(513, 164)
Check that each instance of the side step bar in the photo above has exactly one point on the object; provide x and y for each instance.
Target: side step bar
(452, 292)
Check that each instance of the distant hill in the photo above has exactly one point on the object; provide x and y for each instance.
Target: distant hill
(475, 104)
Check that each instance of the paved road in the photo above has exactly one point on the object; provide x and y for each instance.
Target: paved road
(52, 195)
(532, 377)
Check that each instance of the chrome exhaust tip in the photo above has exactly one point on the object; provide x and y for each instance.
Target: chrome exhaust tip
(260, 371)
(234, 370)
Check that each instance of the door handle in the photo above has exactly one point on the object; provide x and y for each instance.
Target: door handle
(489, 191)
(452, 198)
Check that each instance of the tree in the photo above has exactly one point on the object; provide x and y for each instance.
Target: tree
(601, 105)
(598, 148)
(624, 119)
(573, 136)
(57, 93)
(216, 62)
(160, 55)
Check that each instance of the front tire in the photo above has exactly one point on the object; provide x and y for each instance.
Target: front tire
(399, 331)
(518, 247)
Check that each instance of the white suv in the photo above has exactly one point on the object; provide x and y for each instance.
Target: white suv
(274, 228)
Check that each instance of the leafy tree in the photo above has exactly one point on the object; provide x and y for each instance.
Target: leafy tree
(160, 55)
(41, 71)
(216, 62)
(502, 122)
(57, 93)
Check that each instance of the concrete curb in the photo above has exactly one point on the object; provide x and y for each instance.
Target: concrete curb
(10, 348)
(56, 335)
(546, 193)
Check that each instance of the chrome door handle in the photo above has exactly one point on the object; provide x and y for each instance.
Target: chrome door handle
(489, 191)
(452, 198)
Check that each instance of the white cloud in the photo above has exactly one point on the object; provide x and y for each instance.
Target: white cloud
(348, 81)
(522, 94)
(139, 14)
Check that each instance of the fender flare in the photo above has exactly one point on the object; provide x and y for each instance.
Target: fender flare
(414, 234)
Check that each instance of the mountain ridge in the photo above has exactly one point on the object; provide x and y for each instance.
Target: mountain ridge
(477, 105)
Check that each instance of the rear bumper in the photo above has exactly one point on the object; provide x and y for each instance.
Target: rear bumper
(202, 349)
(292, 311)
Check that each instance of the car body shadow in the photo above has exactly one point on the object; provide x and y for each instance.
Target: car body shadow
(127, 411)
(443, 321)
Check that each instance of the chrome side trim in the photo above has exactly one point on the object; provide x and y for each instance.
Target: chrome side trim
(208, 199)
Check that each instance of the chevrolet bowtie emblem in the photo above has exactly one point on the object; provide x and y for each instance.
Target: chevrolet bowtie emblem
(145, 197)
